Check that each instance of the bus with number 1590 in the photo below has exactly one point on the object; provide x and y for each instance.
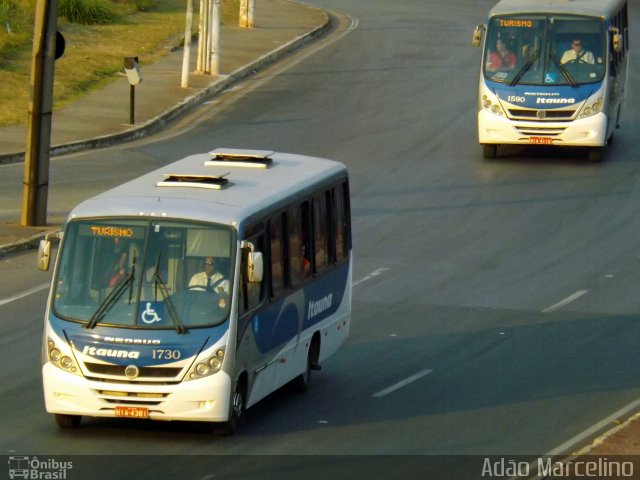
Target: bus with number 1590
(553, 72)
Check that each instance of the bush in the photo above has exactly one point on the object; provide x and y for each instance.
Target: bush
(88, 12)
(7, 12)
(145, 5)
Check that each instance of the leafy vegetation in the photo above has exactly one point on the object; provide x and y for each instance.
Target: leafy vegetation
(95, 47)
(88, 12)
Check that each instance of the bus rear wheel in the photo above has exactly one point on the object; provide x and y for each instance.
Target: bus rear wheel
(489, 150)
(67, 421)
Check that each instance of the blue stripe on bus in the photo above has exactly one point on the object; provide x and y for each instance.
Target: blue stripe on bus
(120, 346)
(543, 97)
(281, 321)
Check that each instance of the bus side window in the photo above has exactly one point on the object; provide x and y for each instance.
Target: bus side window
(299, 239)
(340, 219)
(321, 231)
(251, 294)
(276, 250)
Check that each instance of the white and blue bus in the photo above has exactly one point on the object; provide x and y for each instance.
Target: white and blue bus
(194, 291)
(553, 73)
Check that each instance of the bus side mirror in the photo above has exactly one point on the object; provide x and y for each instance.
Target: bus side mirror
(617, 42)
(44, 254)
(255, 263)
(476, 41)
(255, 267)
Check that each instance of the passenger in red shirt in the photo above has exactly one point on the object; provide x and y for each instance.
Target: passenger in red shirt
(501, 58)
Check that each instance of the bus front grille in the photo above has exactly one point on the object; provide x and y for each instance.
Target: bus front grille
(541, 115)
(131, 398)
(118, 371)
(540, 131)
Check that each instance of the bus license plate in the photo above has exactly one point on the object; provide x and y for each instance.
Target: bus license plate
(541, 140)
(132, 412)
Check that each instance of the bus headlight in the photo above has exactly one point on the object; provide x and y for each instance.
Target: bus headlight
(592, 109)
(60, 360)
(206, 367)
(494, 108)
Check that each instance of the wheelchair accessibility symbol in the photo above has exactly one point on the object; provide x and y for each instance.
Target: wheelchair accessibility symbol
(149, 315)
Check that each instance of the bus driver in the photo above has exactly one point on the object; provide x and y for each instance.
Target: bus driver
(210, 279)
(577, 54)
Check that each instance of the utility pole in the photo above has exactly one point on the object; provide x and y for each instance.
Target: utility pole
(215, 38)
(186, 57)
(247, 13)
(209, 38)
(36, 166)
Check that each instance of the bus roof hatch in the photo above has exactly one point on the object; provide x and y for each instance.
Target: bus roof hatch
(197, 181)
(240, 158)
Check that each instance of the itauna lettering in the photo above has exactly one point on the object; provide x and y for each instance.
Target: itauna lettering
(516, 23)
(316, 308)
(563, 101)
(110, 352)
(99, 231)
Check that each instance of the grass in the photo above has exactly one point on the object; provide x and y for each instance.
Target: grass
(94, 53)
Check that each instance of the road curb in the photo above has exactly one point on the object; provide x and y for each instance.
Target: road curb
(28, 243)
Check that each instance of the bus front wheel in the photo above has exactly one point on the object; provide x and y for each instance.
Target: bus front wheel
(237, 409)
(489, 150)
(302, 381)
(595, 154)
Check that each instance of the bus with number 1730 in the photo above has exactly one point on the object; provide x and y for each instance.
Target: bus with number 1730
(196, 290)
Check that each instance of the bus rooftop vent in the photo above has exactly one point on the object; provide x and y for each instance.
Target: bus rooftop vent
(240, 158)
(197, 181)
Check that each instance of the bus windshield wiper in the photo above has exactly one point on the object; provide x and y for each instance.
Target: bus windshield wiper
(563, 69)
(525, 68)
(110, 300)
(173, 313)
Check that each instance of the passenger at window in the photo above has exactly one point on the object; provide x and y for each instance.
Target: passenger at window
(501, 58)
(120, 270)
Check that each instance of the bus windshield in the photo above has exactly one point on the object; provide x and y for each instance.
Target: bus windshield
(144, 274)
(545, 50)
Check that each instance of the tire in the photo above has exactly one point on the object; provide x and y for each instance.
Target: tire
(489, 150)
(595, 154)
(237, 410)
(301, 383)
(67, 421)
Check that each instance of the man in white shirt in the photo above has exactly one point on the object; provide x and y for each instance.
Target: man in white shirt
(577, 53)
(210, 279)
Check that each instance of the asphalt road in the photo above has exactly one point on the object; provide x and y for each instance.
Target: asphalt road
(509, 287)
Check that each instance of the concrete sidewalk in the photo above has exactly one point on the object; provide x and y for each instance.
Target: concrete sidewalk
(101, 118)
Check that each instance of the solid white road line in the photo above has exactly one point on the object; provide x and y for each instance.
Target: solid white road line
(402, 383)
(26, 293)
(565, 302)
(579, 439)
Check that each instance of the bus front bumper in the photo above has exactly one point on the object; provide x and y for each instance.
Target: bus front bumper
(206, 399)
(584, 132)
